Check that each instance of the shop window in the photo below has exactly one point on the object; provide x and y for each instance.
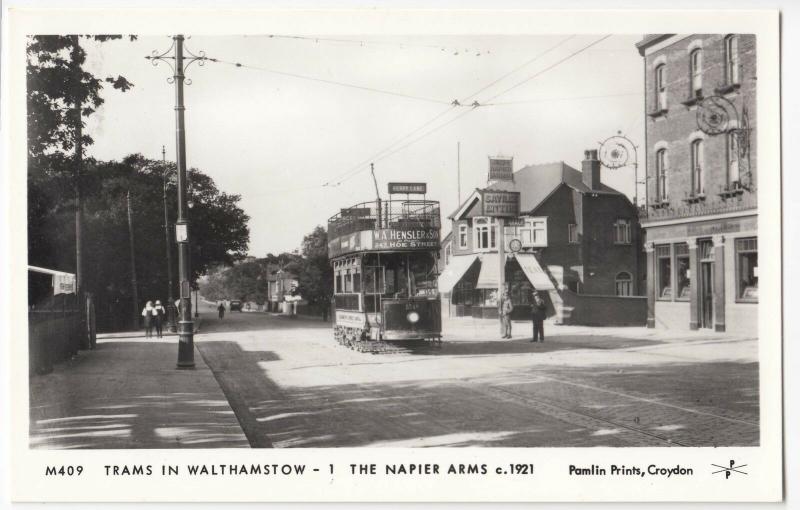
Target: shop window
(664, 272)
(697, 168)
(661, 87)
(448, 253)
(662, 180)
(747, 270)
(622, 231)
(731, 60)
(520, 287)
(682, 273)
(572, 233)
(696, 73)
(462, 236)
(463, 293)
(623, 284)
(534, 232)
(485, 233)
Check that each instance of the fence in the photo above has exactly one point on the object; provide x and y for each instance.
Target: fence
(54, 328)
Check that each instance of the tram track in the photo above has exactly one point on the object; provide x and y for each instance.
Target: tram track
(634, 435)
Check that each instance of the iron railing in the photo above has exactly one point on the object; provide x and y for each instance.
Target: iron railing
(719, 203)
(397, 214)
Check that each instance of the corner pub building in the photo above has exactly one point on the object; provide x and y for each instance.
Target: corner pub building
(701, 216)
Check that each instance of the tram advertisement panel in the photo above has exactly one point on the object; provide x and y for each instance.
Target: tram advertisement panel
(405, 239)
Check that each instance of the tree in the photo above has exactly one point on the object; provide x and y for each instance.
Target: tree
(60, 94)
(315, 275)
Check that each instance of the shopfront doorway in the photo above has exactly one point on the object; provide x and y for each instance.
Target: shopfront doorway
(706, 280)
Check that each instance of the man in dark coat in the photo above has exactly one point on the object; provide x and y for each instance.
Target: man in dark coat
(539, 310)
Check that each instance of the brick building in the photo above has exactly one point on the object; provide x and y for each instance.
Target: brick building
(701, 215)
(577, 236)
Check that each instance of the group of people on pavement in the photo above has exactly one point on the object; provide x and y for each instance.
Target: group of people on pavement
(538, 313)
(154, 315)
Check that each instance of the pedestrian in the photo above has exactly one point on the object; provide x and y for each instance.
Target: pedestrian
(148, 313)
(539, 309)
(326, 308)
(221, 310)
(161, 313)
(505, 308)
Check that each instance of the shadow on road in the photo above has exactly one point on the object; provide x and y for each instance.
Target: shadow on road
(129, 395)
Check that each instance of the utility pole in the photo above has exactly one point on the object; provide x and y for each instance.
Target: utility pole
(458, 156)
(170, 298)
(377, 194)
(78, 162)
(132, 243)
(185, 325)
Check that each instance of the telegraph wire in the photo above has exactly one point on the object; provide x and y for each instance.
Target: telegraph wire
(456, 50)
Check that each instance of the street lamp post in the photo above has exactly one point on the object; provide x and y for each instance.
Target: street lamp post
(170, 298)
(185, 324)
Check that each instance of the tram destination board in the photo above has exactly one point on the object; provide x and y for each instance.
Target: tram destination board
(409, 188)
(500, 204)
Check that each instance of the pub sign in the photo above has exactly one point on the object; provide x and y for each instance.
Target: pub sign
(500, 204)
(501, 169)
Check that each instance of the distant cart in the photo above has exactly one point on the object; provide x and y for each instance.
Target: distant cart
(384, 256)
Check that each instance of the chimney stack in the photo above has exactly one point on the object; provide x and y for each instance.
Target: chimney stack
(591, 169)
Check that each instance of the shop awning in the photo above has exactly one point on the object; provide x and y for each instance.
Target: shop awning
(454, 271)
(533, 270)
(489, 277)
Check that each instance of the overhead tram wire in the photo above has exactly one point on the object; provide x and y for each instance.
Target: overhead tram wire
(524, 64)
(355, 168)
(371, 42)
(476, 105)
(331, 82)
(548, 68)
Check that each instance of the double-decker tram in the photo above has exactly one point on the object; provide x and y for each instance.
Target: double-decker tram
(385, 265)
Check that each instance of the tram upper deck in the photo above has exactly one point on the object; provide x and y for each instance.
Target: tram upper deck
(386, 225)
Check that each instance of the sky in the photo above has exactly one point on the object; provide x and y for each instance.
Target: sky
(283, 142)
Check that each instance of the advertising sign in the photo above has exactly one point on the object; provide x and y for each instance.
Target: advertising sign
(411, 188)
(405, 239)
(500, 204)
(501, 169)
(356, 212)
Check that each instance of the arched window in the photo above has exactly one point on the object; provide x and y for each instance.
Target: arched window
(623, 284)
(731, 60)
(697, 168)
(733, 181)
(662, 183)
(696, 72)
(661, 87)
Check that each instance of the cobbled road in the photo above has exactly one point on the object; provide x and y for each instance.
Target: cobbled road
(291, 385)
